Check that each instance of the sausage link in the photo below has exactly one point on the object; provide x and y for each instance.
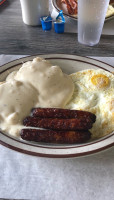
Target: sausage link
(58, 124)
(50, 136)
(62, 113)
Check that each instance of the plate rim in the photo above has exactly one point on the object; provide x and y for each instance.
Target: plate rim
(56, 56)
(75, 155)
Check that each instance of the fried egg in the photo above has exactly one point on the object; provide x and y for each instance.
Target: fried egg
(94, 92)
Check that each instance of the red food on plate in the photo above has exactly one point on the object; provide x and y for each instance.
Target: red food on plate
(72, 6)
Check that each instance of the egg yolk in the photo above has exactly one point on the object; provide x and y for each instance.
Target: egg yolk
(100, 80)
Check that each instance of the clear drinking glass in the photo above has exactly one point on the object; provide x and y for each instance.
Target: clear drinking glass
(32, 10)
(91, 17)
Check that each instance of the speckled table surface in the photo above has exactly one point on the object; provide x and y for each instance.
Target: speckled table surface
(18, 38)
(27, 177)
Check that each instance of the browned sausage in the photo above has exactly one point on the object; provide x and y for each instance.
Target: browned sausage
(50, 136)
(58, 124)
(71, 6)
(62, 113)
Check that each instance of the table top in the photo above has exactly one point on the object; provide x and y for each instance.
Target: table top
(82, 178)
(18, 38)
(28, 177)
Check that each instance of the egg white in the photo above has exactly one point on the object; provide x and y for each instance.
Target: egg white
(94, 92)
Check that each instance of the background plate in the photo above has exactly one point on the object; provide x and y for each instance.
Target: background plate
(58, 6)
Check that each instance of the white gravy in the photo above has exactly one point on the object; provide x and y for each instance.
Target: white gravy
(36, 84)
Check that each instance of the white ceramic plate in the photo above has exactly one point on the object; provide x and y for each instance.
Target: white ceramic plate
(69, 64)
(58, 6)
